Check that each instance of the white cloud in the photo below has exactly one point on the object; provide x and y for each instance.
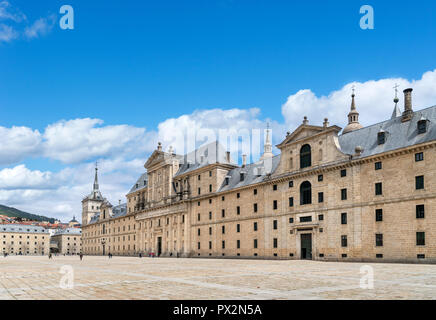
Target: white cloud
(18, 143)
(40, 27)
(374, 101)
(7, 12)
(7, 33)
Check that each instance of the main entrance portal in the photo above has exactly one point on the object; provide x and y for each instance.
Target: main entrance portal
(306, 246)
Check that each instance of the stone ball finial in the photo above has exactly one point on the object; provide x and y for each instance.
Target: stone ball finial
(305, 121)
(358, 150)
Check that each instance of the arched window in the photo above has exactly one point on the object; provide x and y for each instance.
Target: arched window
(305, 156)
(305, 193)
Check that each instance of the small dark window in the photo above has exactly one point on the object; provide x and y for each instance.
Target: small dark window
(210, 215)
(223, 245)
(210, 173)
(381, 138)
(291, 201)
(223, 213)
(419, 156)
(344, 241)
(210, 231)
(379, 240)
(210, 188)
(223, 229)
(198, 245)
(321, 229)
(210, 201)
(321, 217)
(320, 177)
(343, 173)
(275, 204)
(379, 215)
(223, 198)
(291, 184)
(255, 207)
(378, 189)
(238, 195)
(379, 255)
(321, 255)
(344, 218)
(198, 232)
(199, 177)
(255, 226)
(275, 187)
(275, 243)
(275, 224)
(198, 217)
(291, 220)
(344, 255)
(199, 190)
(238, 210)
(320, 197)
(306, 219)
(420, 256)
(420, 238)
(420, 212)
(255, 245)
(378, 166)
(305, 156)
(238, 244)
(241, 176)
(210, 246)
(419, 182)
(227, 181)
(343, 194)
(238, 228)
(422, 126)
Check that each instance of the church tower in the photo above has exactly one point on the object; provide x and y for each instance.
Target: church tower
(353, 117)
(91, 204)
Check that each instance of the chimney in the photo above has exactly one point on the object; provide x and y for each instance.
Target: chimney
(244, 160)
(408, 111)
(325, 123)
(228, 156)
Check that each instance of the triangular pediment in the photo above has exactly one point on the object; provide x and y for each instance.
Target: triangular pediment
(155, 158)
(302, 132)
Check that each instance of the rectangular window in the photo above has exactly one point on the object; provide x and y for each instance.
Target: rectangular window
(420, 213)
(343, 173)
(291, 220)
(223, 229)
(210, 215)
(238, 244)
(255, 226)
(275, 224)
(198, 245)
(238, 210)
(420, 238)
(198, 217)
(321, 217)
(210, 230)
(291, 184)
(379, 215)
(379, 240)
(275, 243)
(344, 242)
(210, 188)
(223, 213)
(210, 173)
(238, 228)
(344, 194)
(275, 187)
(255, 191)
(419, 156)
(306, 219)
(344, 218)
(255, 207)
(198, 232)
(419, 182)
(291, 201)
(223, 244)
(238, 195)
(320, 177)
(378, 189)
(320, 197)
(199, 177)
(275, 204)
(378, 166)
(223, 198)
(255, 244)
(210, 244)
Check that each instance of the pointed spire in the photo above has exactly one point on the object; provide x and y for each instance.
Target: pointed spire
(96, 177)
(396, 112)
(267, 147)
(353, 116)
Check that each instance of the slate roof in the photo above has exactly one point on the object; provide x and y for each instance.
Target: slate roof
(117, 211)
(210, 153)
(72, 231)
(398, 134)
(253, 173)
(21, 228)
(141, 183)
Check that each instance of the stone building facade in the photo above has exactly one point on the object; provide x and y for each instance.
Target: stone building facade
(68, 241)
(363, 194)
(19, 239)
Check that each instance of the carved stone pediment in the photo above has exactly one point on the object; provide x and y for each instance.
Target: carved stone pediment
(179, 208)
(305, 131)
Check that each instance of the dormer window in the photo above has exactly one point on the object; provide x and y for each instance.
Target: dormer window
(227, 181)
(422, 126)
(381, 137)
(241, 176)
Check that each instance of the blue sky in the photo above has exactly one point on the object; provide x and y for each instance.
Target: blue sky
(140, 63)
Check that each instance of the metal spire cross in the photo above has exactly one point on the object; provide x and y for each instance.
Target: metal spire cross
(353, 88)
(396, 90)
(96, 165)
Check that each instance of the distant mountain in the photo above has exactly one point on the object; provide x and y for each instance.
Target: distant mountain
(12, 212)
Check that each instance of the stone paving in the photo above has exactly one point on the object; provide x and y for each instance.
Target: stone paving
(30, 277)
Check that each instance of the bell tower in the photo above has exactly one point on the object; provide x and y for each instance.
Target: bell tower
(92, 203)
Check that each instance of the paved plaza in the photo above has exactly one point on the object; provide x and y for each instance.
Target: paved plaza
(170, 278)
